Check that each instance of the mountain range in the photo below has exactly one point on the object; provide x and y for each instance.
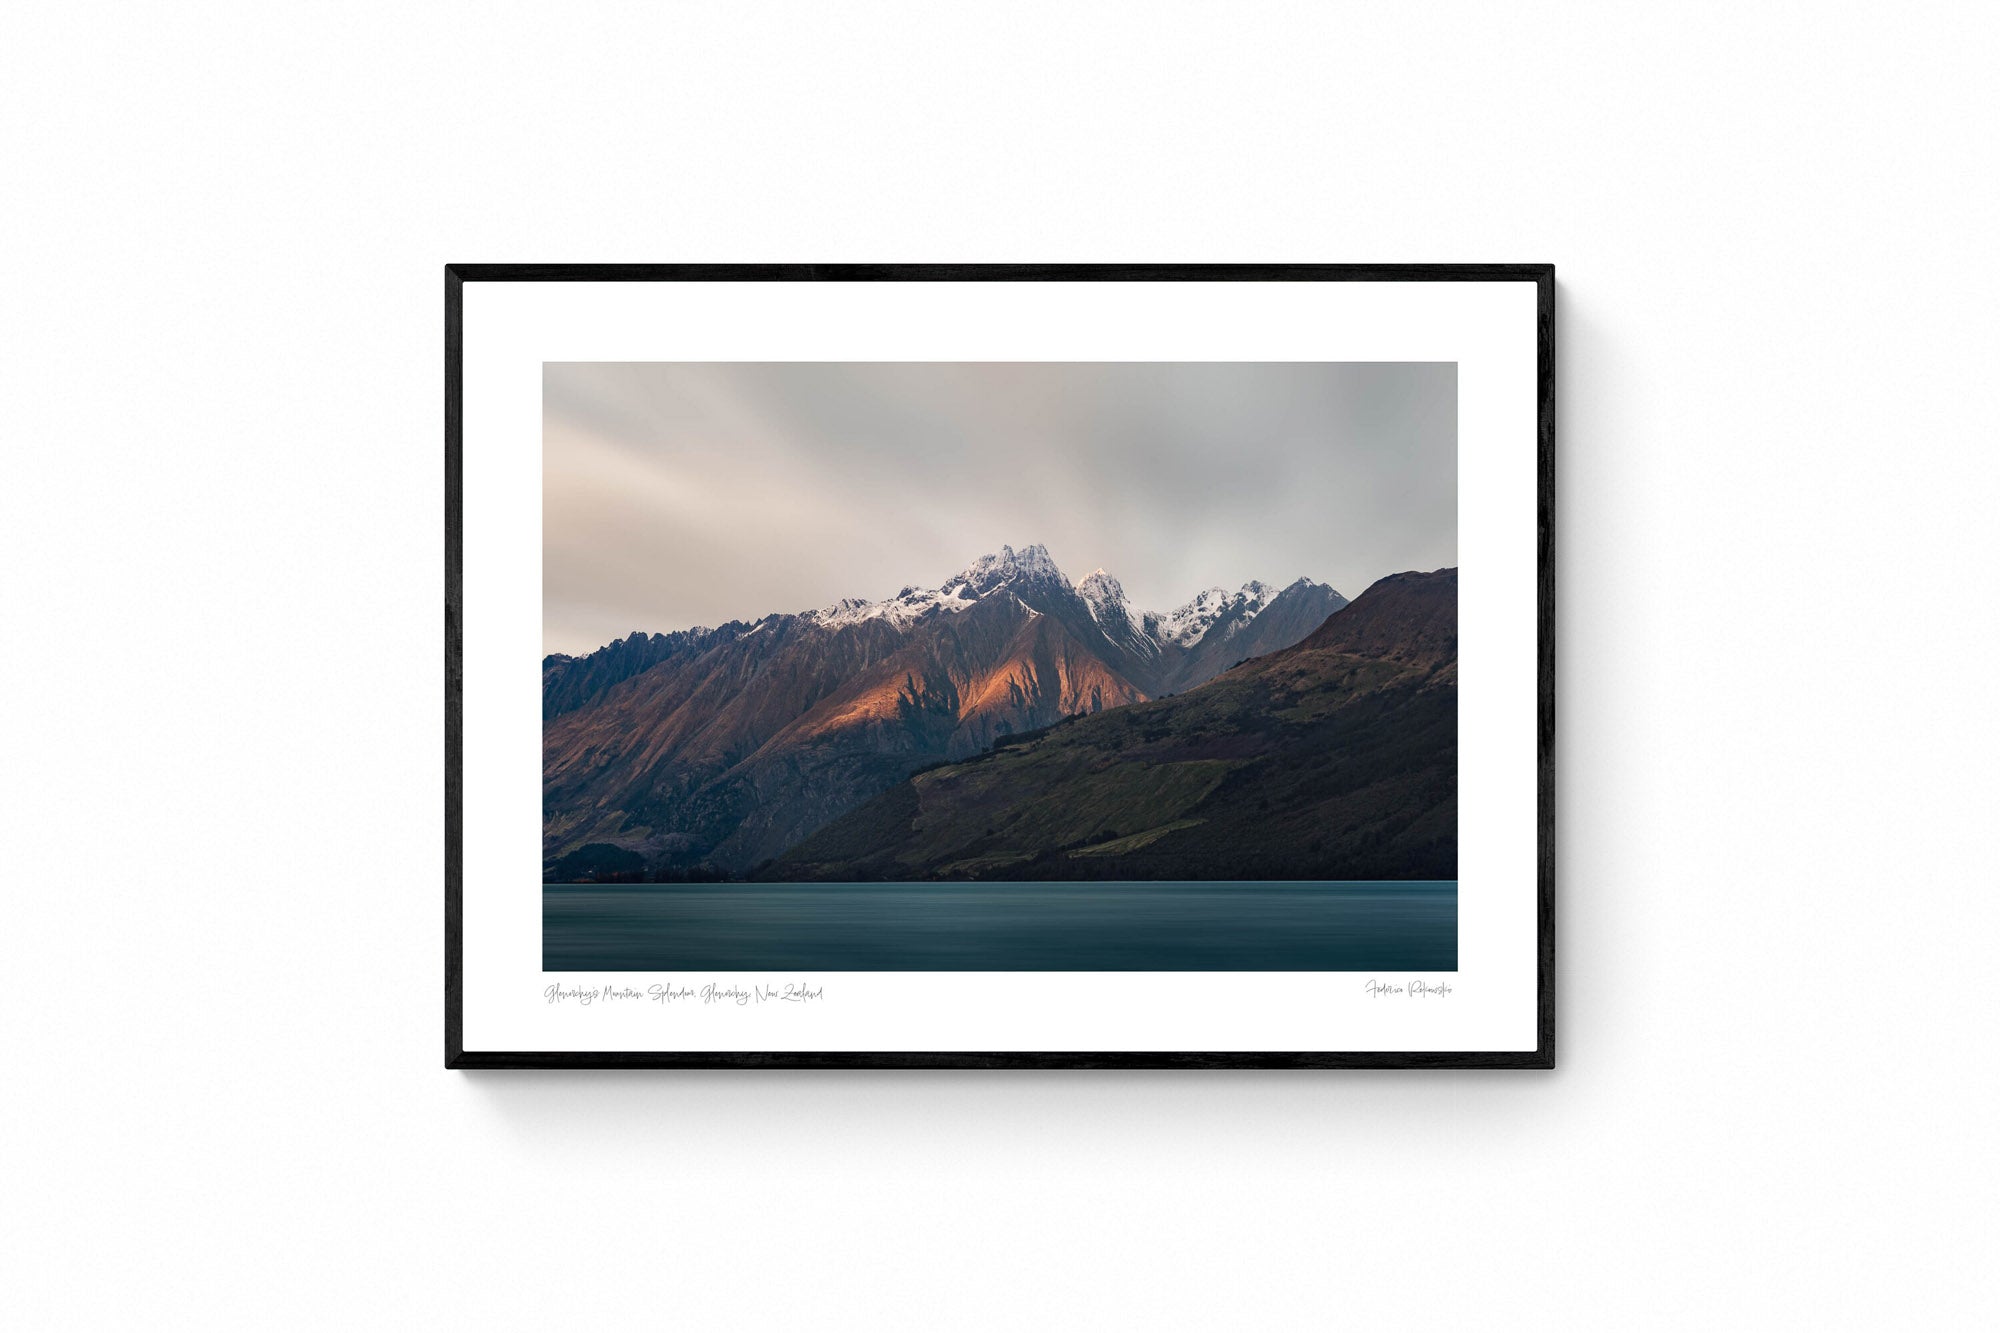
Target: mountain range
(1334, 758)
(714, 751)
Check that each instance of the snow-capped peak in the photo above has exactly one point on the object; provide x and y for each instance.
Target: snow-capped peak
(988, 574)
(1030, 563)
(1105, 597)
(1187, 625)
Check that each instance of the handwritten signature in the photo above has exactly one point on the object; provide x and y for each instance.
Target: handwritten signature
(1413, 990)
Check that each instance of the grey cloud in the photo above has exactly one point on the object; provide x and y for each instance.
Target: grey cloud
(682, 494)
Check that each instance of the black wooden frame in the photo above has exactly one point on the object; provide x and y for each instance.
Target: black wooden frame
(456, 1057)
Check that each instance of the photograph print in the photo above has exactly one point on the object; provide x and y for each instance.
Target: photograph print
(1000, 667)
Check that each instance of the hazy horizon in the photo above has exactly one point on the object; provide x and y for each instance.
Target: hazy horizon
(681, 494)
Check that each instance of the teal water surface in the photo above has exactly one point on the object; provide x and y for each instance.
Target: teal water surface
(1349, 926)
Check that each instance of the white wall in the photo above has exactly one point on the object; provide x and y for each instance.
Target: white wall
(220, 536)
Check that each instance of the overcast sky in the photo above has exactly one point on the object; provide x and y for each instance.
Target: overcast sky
(692, 494)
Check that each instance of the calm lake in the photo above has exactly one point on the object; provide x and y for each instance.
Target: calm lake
(1071, 927)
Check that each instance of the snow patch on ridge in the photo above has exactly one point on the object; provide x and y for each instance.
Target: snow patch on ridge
(904, 609)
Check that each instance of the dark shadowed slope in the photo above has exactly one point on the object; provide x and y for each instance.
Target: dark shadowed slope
(568, 683)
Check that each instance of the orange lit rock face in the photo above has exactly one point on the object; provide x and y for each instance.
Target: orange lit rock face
(1046, 677)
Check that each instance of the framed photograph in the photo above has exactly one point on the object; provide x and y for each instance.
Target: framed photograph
(998, 666)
